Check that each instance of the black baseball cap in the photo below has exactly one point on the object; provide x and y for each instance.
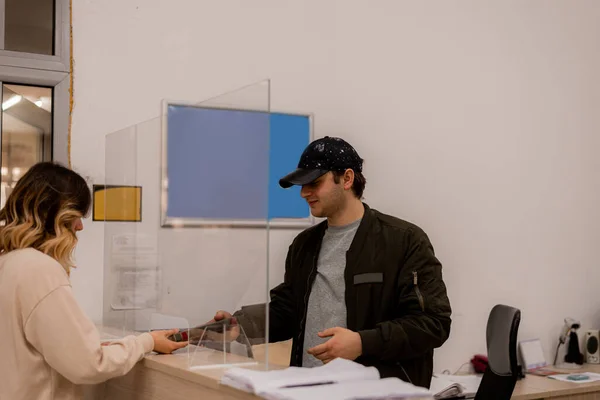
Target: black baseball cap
(321, 156)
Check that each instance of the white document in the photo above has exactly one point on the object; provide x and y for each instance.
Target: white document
(134, 271)
(446, 386)
(134, 250)
(136, 289)
(260, 382)
(591, 377)
(388, 388)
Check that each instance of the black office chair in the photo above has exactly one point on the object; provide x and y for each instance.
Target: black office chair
(502, 372)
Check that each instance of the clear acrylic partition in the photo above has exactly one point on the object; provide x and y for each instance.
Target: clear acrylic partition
(132, 271)
(202, 243)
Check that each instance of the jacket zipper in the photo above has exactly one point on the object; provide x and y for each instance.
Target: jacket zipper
(403, 370)
(306, 294)
(419, 296)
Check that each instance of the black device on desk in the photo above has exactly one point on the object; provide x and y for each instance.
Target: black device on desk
(193, 335)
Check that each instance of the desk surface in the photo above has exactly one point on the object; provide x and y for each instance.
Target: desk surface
(170, 377)
(161, 376)
(540, 387)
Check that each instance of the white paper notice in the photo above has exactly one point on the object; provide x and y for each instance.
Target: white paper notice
(134, 267)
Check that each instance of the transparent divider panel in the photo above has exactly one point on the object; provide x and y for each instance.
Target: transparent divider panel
(222, 344)
(120, 249)
(214, 213)
(200, 244)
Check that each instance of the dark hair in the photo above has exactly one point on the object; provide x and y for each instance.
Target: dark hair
(358, 187)
(41, 210)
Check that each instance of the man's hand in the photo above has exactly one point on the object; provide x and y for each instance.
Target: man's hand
(219, 315)
(344, 343)
(232, 332)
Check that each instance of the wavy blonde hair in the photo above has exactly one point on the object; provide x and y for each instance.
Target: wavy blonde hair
(42, 210)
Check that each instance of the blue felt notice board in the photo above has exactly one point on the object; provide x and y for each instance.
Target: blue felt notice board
(224, 166)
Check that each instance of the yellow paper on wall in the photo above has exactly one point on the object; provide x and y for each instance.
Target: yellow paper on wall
(117, 203)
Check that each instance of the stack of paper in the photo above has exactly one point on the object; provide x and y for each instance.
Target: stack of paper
(388, 389)
(337, 380)
(336, 371)
(448, 386)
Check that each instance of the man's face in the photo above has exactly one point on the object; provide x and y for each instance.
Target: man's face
(324, 196)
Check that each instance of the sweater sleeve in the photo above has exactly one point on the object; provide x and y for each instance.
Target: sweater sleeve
(70, 342)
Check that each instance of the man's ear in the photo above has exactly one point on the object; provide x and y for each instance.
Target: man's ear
(348, 179)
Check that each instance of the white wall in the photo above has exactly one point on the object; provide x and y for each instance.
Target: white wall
(478, 121)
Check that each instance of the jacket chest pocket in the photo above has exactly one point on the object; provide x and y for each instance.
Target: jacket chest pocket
(368, 277)
(368, 288)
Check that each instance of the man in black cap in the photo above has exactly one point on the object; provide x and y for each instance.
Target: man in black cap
(360, 285)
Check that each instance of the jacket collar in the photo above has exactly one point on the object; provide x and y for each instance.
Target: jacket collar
(363, 230)
(361, 233)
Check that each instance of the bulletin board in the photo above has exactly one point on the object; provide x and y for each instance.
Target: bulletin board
(222, 167)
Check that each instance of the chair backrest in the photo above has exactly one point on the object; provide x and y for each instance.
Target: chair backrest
(501, 375)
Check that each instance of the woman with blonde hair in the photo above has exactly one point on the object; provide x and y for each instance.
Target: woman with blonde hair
(48, 347)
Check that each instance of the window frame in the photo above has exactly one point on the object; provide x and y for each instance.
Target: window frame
(45, 70)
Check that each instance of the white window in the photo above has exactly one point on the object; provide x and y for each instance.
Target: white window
(34, 83)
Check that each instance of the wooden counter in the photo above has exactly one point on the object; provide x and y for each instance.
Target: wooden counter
(168, 377)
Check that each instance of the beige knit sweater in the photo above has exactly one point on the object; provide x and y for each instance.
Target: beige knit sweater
(48, 346)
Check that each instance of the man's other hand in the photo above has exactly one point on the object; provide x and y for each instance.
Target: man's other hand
(343, 343)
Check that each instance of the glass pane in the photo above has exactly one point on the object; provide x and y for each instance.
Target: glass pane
(170, 264)
(26, 131)
(29, 26)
